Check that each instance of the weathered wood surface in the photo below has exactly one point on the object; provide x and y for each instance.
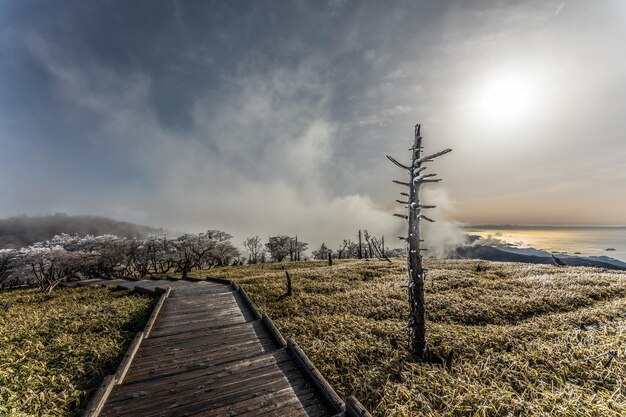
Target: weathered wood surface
(208, 352)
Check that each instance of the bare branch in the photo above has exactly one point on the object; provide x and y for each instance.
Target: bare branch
(423, 177)
(402, 183)
(416, 171)
(398, 163)
(421, 216)
(415, 206)
(435, 155)
(404, 216)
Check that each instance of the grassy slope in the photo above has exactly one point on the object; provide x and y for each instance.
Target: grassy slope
(56, 348)
(514, 330)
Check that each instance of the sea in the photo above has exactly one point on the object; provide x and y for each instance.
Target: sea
(571, 240)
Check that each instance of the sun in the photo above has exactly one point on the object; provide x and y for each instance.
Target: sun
(506, 98)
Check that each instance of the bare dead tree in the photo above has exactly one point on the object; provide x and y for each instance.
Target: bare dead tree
(368, 248)
(360, 246)
(346, 244)
(417, 342)
(378, 248)
(254, 246)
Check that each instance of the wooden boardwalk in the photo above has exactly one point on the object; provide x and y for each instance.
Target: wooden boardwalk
(206, 351)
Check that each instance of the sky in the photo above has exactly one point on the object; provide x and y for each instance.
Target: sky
(261, 118)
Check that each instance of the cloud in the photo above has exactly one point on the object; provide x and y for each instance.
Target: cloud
(256, 163)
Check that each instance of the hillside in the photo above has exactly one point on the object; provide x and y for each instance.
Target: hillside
(20, 231)
(527, 339)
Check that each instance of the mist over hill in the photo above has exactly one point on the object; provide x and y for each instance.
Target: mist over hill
(20, 231)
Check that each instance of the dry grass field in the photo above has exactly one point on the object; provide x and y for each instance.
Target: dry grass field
(56, 348)
(527, 339)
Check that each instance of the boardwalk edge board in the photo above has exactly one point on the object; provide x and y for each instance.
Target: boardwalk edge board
(278, 338)
(100, 397)
(249, 303)
(316, 376)
(355, 409)
(128, 358)
(156, 310)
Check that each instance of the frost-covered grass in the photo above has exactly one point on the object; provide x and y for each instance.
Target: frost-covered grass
(56, 348)
(515, 330)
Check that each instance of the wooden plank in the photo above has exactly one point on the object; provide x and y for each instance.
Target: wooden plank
(255, 406)
(355, 409)
(283, 402)
(98, 400)
(207, 343)
(280, 340)
(162, 329)
(198, 398)
(249, 303)
(218, 332)
(166, 389)
(324, 387)
(155, 313)
(198, 326)
(142, 370)
(122, 369)
(161, 384)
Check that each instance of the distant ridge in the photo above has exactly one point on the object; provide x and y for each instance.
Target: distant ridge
(20, 231)
(533, 256)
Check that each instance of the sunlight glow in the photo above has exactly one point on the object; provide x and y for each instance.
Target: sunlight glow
(507, 98)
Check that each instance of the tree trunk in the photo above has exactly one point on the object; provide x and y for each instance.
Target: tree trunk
(414, 259)
(330, 258)
(360, 246)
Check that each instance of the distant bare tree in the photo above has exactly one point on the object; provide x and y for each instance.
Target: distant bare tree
(278, 247)
(321, 253)
(368, 249)
(255, 247)
(212, 248)
(51, 263)
(344, 245)
(281, 246)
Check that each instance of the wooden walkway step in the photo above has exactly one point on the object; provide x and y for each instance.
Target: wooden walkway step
(207, 351)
